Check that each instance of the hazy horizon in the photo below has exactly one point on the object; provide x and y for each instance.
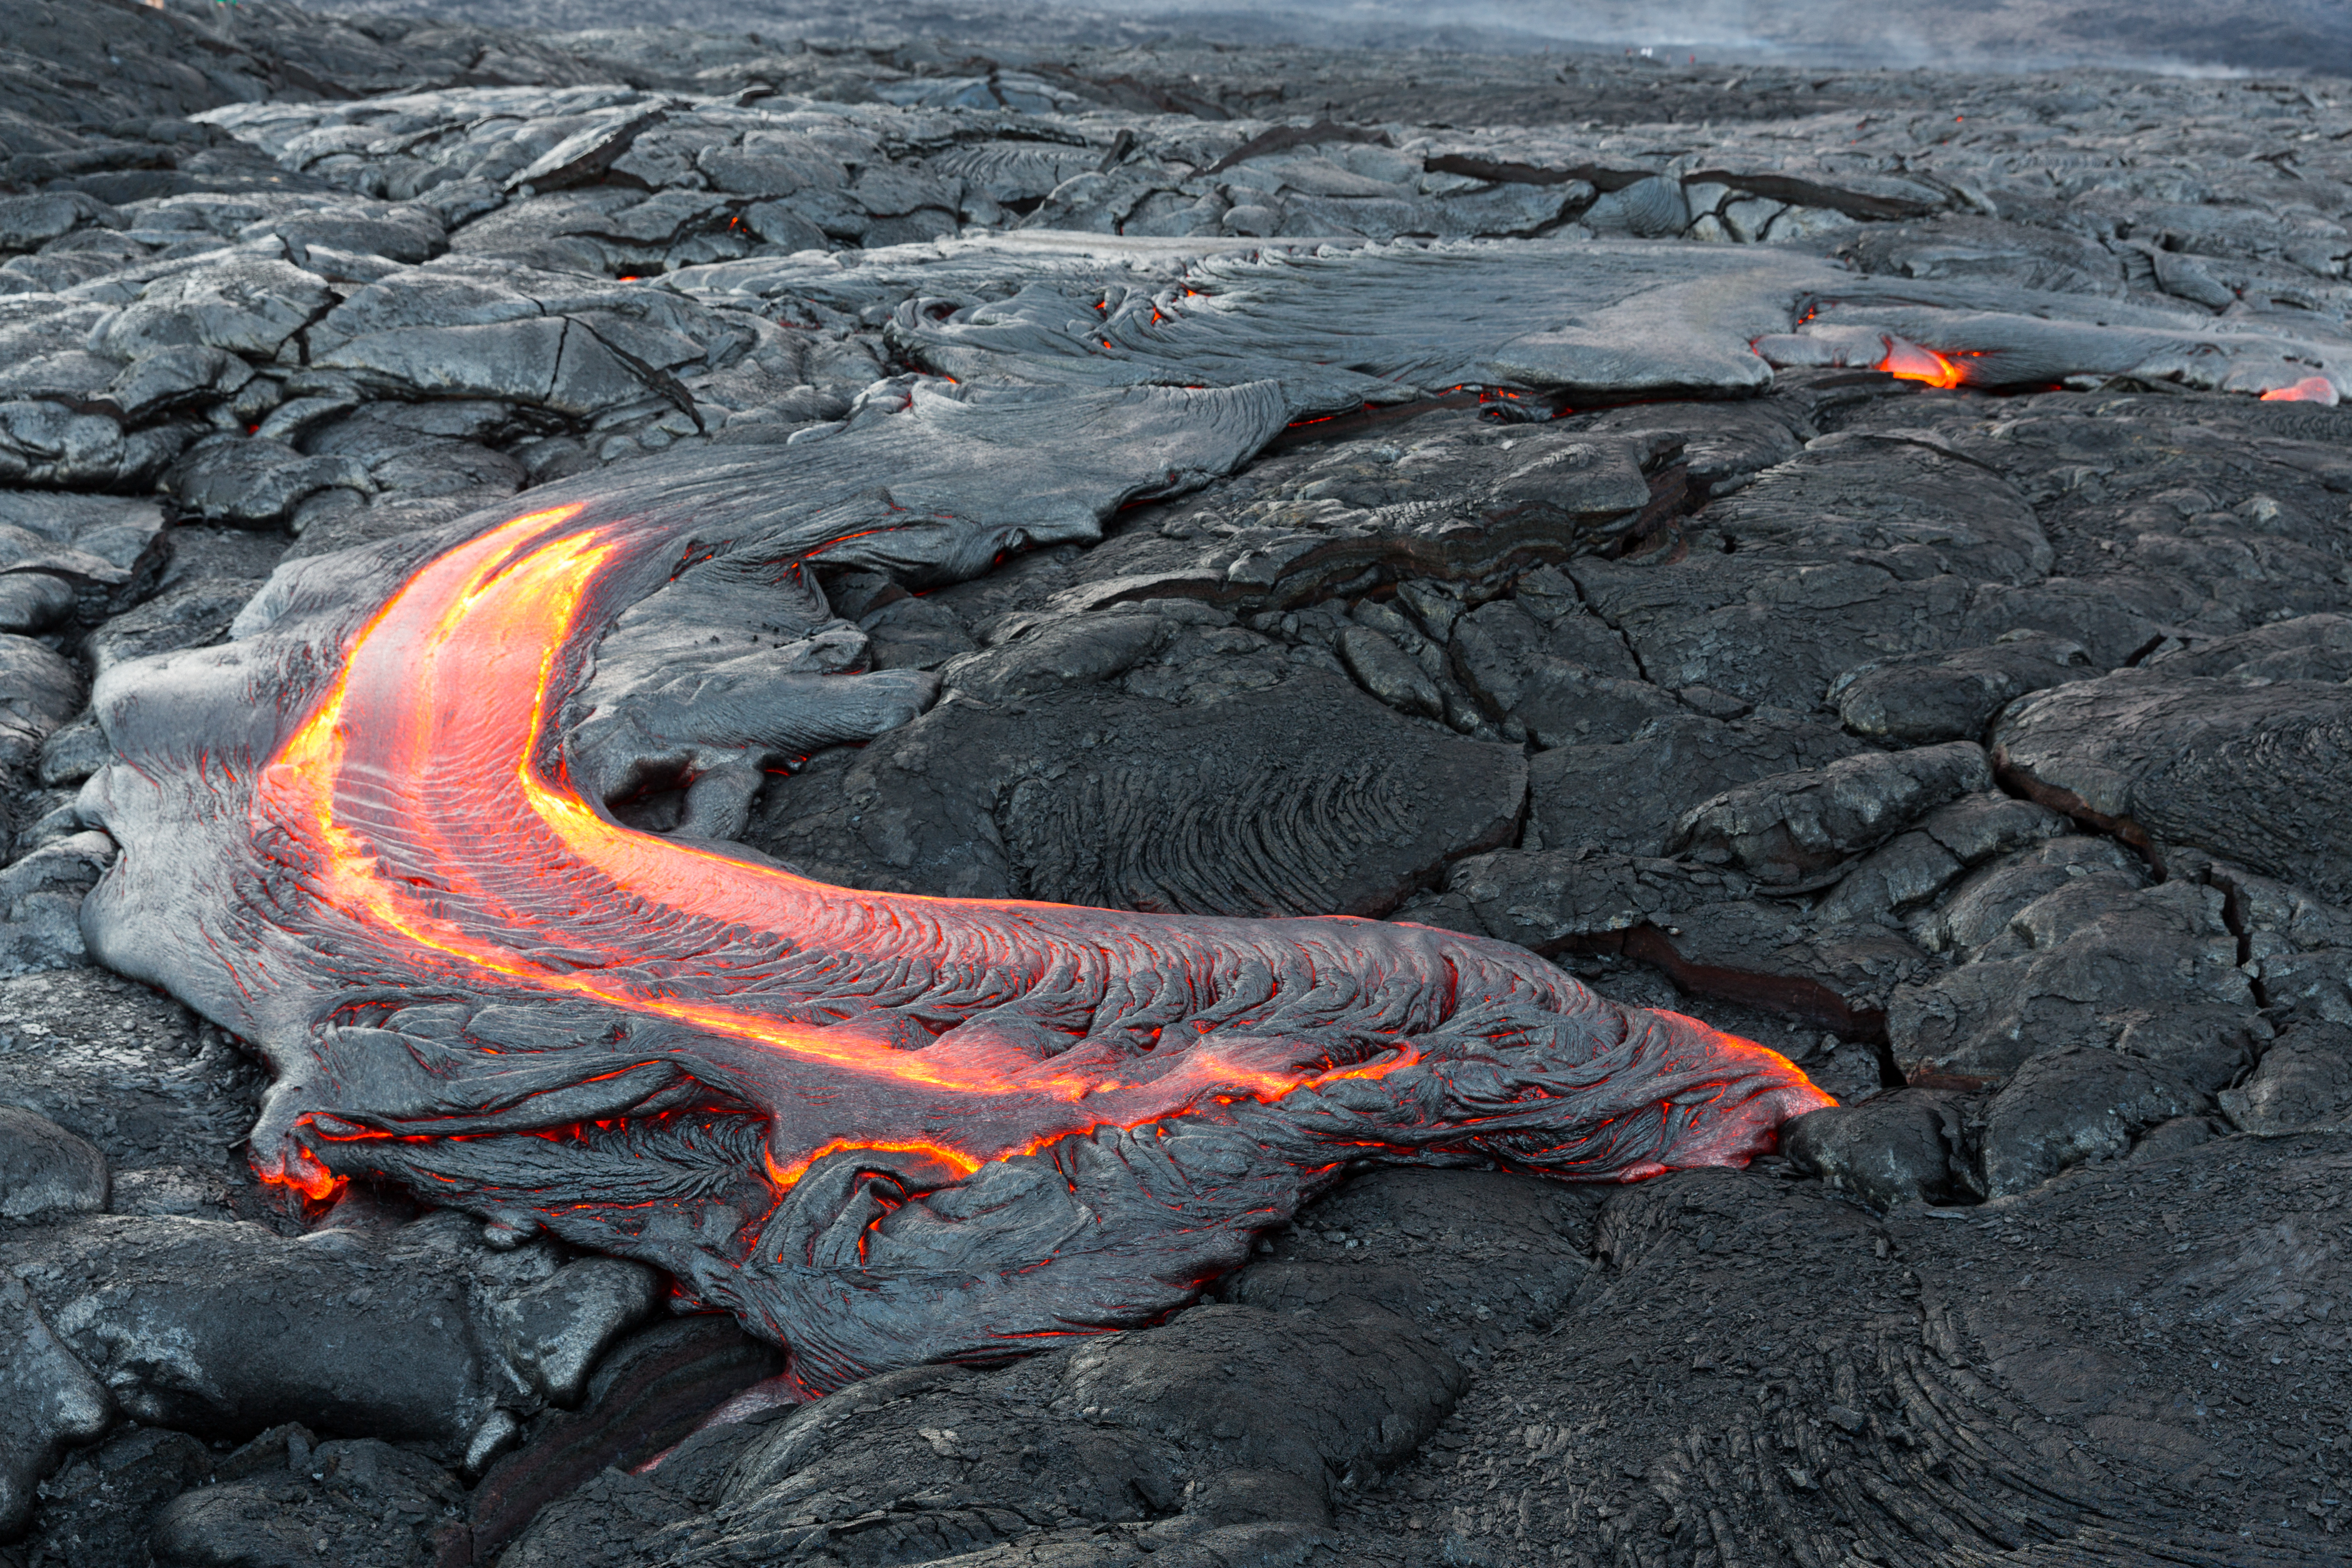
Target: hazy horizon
(2300, 36)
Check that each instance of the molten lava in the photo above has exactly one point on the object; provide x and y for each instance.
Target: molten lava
(2310, 389)
(879, 1127)
(1912, 363)
(425, 781)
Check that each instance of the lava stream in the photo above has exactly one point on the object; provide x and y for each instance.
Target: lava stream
(428, 800)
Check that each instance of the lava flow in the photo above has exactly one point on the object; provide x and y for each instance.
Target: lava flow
(1909, 362)
(420, 781)
(2310, 389)
(716, 1031)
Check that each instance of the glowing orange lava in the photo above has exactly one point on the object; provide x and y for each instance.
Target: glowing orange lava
(425, 791)
(2310, 389)
(1912, 363)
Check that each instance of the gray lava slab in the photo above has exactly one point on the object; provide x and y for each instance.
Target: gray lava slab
(2254, 772)
(1301, 797)
(1623, 318)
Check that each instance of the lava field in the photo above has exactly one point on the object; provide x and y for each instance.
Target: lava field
(1091, 802)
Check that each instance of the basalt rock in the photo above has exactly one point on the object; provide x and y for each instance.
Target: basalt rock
(1787, 829)
(2093, 961)
(1142, 1439)
(296, 1502)
(179, 1313)
(77, 556)
(1628, 795)
(2251, 772)
(1246, 820)
(2075, 1104)
(46, 1169)
(1922, 698)
(50, 1399)
(1906, 1145)
(2304, 1080)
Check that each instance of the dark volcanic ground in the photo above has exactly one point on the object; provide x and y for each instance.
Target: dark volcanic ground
(1988, 754)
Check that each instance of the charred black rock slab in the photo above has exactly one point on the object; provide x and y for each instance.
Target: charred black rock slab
(2095, 960)
(49, 1397)
(223, 1328)
(1619, 316)
(2256, 773)
(100, 1508)
(2072, 1105)
(2304, 1080)
(1787, 829)
(1471, 1258)
(46, 1169)
(67, 556)
(1628, 795)
(1906, 1145)
(1299, 797)
(1707, 929)
(290, 1501)
(1921, 699)
(1226, 1432)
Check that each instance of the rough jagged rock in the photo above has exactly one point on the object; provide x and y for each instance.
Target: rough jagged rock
(1906, 1145)
(1922, 698)
(46, 1171)
(2067, 1106)
(194, 612)
(178, 1312)
(39, 690)
(2304, 1080)
(1788, 829)
(1916, 865)
(2303, 647)
(1046, 797)
(1568, 682)
(1707, 929)
(1628, 795)
(50, 1397)
(251, 481)
(100, 1506)
(2256, 773)
(77, 556)
(1146, 1440)
(295, 1500)
(555, 1332)
(2094, 961)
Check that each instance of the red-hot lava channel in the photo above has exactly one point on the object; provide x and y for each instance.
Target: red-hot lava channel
(424, 800)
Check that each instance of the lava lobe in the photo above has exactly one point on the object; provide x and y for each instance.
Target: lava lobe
(880, 1129)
